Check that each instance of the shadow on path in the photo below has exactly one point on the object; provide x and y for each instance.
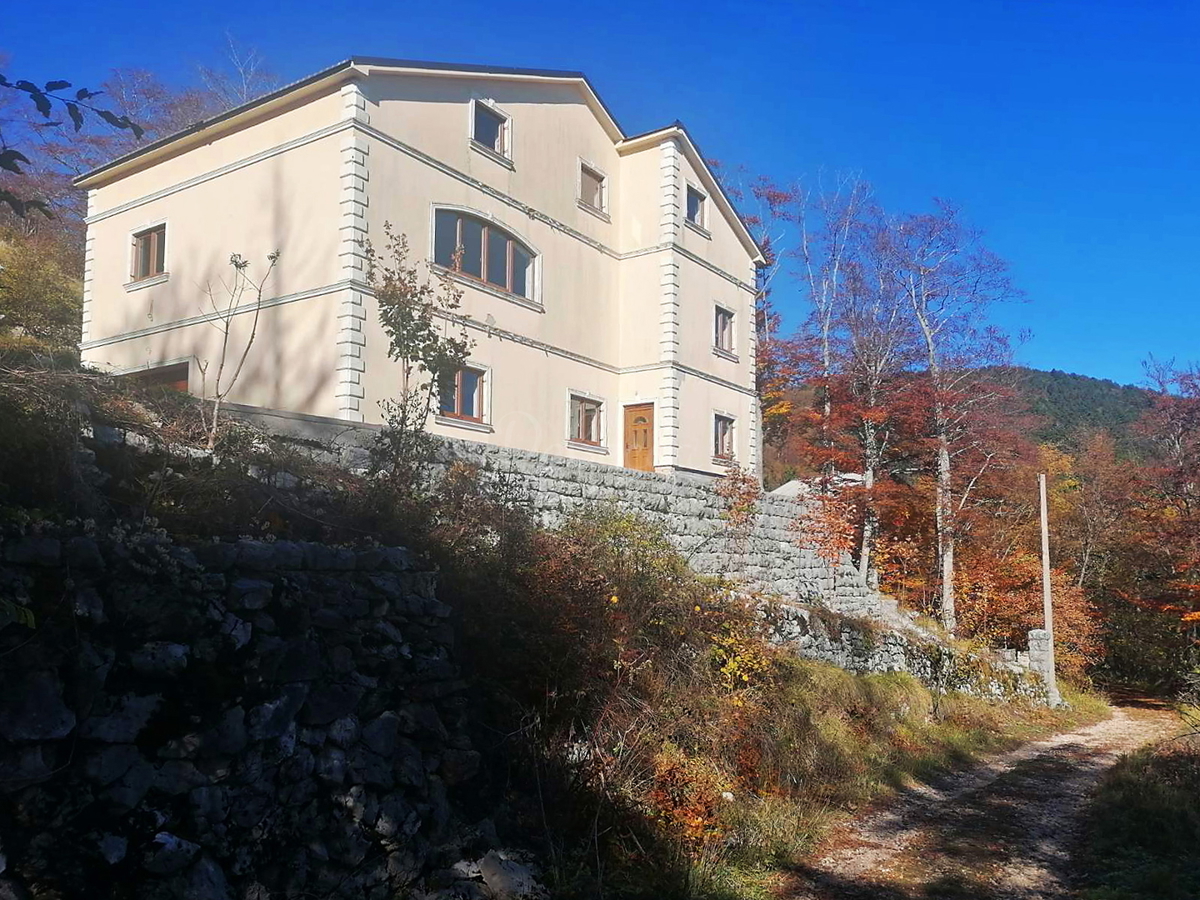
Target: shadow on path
(1000, 831)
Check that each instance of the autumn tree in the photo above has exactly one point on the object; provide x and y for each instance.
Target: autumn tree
(950, 280)
(39, 302)
(824, 228)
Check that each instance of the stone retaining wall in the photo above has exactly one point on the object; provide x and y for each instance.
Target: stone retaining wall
(246, 720)
(770, 557)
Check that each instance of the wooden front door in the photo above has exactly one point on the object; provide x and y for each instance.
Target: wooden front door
(639, 437)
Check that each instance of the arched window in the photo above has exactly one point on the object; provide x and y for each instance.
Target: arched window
(489, 253)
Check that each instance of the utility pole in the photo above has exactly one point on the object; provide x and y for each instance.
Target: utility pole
(1047, 604)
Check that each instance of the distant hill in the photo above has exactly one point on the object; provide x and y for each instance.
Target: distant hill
(1067, 403)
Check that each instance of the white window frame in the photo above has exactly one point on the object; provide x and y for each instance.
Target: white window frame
(485, 403)
(733, 431)
(729, 353)
(504, 156)
(574, 444)
(131, 244)
(700, 225)
(533, 301)
(602, 212)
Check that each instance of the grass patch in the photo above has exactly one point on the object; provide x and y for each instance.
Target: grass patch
(1143, 828)
(855, 740)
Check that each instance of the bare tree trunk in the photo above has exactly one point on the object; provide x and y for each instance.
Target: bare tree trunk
(869, 520)
(945, 537)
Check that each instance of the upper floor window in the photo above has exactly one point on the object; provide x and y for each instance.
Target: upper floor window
(485, 251)
(587, 416)
(696, 211)
(593, 189)
(722, 437)
(723, 330)
(149, 253)
(461, 395)
(490, 129)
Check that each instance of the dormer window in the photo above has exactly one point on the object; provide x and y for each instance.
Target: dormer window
(490, 129)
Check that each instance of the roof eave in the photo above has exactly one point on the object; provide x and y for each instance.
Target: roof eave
(287, 94)
(677, 129)
(543, 76)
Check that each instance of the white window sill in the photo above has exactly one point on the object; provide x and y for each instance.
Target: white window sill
(587, 448)
(466, 424)
(491, 154)
(147, 282)
(468, 281)
(726, 461)
(725, 354)
(698, 228)
(591, 210)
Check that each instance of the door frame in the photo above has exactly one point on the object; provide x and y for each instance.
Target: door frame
(625, 404)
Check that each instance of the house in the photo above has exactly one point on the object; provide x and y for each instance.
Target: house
(608, 282)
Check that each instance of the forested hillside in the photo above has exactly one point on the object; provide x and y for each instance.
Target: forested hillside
(1067, 404)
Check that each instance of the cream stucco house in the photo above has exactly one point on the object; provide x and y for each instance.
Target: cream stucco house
(608, 281)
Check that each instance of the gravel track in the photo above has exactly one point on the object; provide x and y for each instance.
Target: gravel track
(1002, 830)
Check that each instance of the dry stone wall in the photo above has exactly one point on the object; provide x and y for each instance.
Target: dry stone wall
(770, 555)
(235, 720)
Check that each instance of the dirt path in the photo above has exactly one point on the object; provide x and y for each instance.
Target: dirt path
(1000, 831)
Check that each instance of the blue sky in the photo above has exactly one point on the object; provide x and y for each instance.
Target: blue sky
(1068, 131)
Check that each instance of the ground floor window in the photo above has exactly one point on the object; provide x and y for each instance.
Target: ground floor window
(462, 395)
(587, 417)
(722, 436)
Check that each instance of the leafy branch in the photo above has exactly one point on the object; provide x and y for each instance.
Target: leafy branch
(45, 99)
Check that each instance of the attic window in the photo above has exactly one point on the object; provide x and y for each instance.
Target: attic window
(696, 202)
(490, 129)
(592, 188)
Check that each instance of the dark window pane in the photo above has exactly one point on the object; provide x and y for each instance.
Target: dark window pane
(497, 261)
(520, 271)
(489, 128)
(472, 240)
(695, 206)
(470, 380)
(448, 392)
(445, 237)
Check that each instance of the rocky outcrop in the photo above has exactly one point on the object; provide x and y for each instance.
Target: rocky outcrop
(234, 720)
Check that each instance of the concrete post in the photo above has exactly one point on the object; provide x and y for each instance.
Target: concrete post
(1041, 660)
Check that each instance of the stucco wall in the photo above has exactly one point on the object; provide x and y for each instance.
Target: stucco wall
(621, 309)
